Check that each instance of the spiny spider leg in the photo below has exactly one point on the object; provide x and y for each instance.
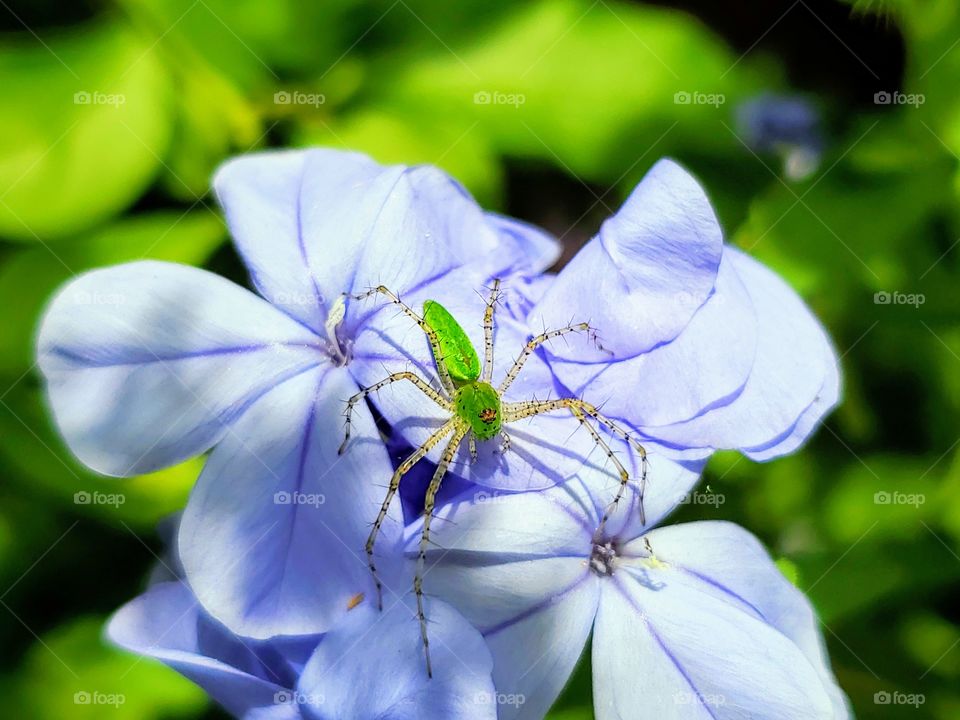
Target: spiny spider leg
(430, 501)
(488, 331)
(518, 411)
(421, 384)
(619, 432)
(473, 448)
(445, 380)
(404, 468)
(533, 345)
(621, 470)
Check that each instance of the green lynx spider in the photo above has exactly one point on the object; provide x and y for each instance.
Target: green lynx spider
(477, 413)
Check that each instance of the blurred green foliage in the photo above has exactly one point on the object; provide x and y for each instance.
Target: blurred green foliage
(115, 116)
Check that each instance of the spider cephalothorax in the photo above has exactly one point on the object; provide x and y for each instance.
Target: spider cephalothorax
(478, 413)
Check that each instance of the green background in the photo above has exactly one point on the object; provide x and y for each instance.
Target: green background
(176, 86)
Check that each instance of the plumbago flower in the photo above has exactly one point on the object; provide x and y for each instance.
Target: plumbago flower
(702, 348)
(688, 621)
(709, 348)
(368, 666)
(187, 361)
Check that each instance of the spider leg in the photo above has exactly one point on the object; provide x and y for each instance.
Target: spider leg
(488, 331)
(621, 470)
(448, 455)
(504, 442)
(445, 380)
(389, 380)
(533, 345)
(404, 468)
(579, 409)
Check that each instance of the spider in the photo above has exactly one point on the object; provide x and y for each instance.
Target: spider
(477, 413)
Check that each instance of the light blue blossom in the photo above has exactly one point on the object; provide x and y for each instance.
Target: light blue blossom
(688, 621)
(185, 361)
(704, 348)
(700, 348)
(370, 665)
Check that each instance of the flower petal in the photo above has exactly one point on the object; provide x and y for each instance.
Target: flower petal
(164, 624)
(706, 365)
(794, 363)
(272, 540)
(535, 654)
(732, 565)
(262, 195)
(823, 403)
(313, 224)
(534, 249)
(515, 566)
(646, 273)
(371, 665)
(715, 629)
(147, 363)
(280, 711)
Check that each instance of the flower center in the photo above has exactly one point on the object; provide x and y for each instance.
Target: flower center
(602, 557)
(338, 352)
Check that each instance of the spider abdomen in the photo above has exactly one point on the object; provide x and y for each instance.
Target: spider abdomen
(457, 354)
(478, 404)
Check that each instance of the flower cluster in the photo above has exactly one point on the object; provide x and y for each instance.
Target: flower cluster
(697, 347)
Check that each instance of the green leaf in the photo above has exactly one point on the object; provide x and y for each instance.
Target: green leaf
(582, 85)
(213, 121)
(789, 570)
(73, 673)
(251, 44)
(852, 230)
(42, 466)
(86, 145)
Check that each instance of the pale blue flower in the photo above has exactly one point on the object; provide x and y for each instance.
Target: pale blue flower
(688, 621)
(181, 361)
(369, 666)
